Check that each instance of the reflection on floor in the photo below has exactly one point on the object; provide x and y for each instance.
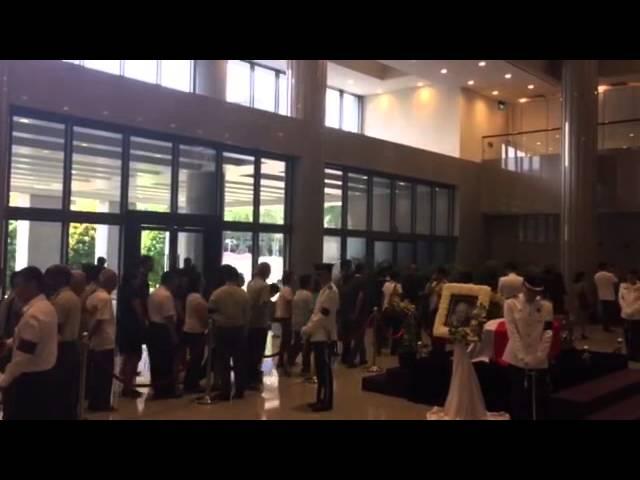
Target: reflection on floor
(285, 398)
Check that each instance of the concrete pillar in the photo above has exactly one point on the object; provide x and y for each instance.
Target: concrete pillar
(211, 78)
(579, 148)
(308, 82)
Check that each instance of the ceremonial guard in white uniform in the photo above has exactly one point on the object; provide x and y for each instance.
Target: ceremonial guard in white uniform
(529, 321)
(629, 299)
(322, 332)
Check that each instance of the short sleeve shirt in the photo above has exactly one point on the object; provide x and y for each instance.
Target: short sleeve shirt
(100, 308)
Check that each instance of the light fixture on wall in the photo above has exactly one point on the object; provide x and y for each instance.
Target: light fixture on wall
(443, 71)
(470, 82)
(531, 86)
(507, 76)
(482, 64)
(495, 92)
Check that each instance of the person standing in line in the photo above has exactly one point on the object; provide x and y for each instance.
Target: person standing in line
(229, 305)
(360, 310)
(259, 293)
(78, 283)
(580, 306)
(302, 307)
(345, 310)
(322, 332)
(606, 284)
(92, 272)
(629, 298)
(68, 309)
(101, 262)
(10, 314)
(102, 342)
(529, 321)
(163, 337)
(194, 334)
(392, 291)
(283, 316)
(28, 382)
(510, 285)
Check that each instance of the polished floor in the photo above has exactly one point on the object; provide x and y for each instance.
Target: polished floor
(286, 398)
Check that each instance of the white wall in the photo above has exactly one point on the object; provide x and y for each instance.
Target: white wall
(479, 116)
(426, 118)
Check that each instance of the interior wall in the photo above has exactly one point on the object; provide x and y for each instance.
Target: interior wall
(479, 116)
(426, 118)
(536, 114)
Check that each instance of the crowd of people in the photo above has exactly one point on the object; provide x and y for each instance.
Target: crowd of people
(322, 317)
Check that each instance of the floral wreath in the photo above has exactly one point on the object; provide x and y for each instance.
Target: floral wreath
(473, 332)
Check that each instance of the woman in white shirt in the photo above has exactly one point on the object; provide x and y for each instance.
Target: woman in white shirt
(194, 333)
(283, 317)
(629, 299)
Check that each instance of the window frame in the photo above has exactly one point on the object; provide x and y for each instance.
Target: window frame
(252, 73)
(341, 93)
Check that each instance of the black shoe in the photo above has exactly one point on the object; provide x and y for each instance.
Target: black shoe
(193, 390)
(133, 393)
(321, 408)
(238, 396)
(312, 405)
(220, 397)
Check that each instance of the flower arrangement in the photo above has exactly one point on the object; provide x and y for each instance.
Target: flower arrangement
(478, 316)
(472, 333)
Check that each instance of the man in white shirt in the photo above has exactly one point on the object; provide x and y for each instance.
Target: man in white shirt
(28, 383)
(529, 321)
(302, 308)
(68, 308)
(259, 323)
(392, 291)
(322, 331)
(283, 316)
(102, 342)
(629, 299)
(163, 338)
(510, 285)
(606, 287)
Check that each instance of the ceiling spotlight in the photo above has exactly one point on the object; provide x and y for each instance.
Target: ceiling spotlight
(470, 82)
(444, 70)
(495, 92)
(632, 134)
(538, 143)
(482, 64)
(523, 100)
(507, 76)
(531, 86)
(420, 84)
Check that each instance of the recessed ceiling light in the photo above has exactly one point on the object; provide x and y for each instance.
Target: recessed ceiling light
(24, 120)
(350, 82)
(531, 86)
(420, 84)
(444, 70)
(84, 145)
(495, 92)
(470, 82)
(632, 134)
(507, 76)
(482, 64)
(523, 100)
(538, 143)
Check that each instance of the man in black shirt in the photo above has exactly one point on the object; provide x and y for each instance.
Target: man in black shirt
(358, 309)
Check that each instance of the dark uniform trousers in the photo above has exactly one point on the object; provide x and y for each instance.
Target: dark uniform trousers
(194, 344)
(324, 372)
(162, 352)
(231, 346)
(256, 342)
(29, 397)
(522, 389)
(100, 378)
(67, 370)
(359, 349)
(300, 345)
(608, 312)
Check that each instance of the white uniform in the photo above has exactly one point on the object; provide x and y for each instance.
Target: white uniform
(605, 284)
(322, 326)
(529, 337)
(629, 299)
(510, 285)
(39, 326)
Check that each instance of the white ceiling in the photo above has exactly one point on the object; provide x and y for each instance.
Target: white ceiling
(486, 79)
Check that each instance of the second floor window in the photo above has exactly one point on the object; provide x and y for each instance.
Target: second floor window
(257, 86)
(343, 110)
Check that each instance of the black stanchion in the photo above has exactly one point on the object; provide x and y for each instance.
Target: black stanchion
(207, 399)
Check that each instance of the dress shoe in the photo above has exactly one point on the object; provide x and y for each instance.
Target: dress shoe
(193, 390)
(312, 405)
(133, 393)
(321, 408)
(238, 396)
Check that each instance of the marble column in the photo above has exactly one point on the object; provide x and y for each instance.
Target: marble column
(211, 78)
(308, 85)
(578, 234)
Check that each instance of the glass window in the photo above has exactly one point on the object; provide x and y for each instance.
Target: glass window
(423, 255)
(332, 198)
(96, 170)
(283, 95)
(197, 185)
(237, 250)
(403, 213)
(155, 243)
(176, 74)
(423, 209)
(33, 243)
(357, 206)
(239, 173)
(443, 226)
(144, 70)
(149, 175)
(350, 113)
(239, 82)
(109, 66)
(37, 159)
(332, 108)
(331, 249)
(264, 89)
(357, 249)
(404, 254)
(272, 188)
(191, 245)
(382, 252)
(381, 204)
(87, 242)
(272, 252)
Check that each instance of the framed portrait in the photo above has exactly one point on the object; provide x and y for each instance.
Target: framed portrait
(457, 304)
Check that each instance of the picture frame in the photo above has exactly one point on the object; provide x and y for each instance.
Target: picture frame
(457, 303)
